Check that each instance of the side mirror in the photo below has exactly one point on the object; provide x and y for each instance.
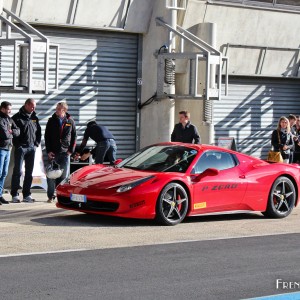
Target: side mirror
(207, 172)
(118, 161)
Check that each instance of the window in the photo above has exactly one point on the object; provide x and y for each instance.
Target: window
(280, 4)
(289, 2)
(161, 158)
(216, 160)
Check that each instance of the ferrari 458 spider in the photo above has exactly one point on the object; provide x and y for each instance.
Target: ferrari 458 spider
(171, 181)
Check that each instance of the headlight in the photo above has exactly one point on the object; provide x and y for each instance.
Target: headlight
(129, 186)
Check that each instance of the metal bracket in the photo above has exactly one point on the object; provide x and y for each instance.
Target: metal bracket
(213, 66)
(25, 43)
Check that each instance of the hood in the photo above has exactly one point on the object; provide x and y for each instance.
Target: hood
(109, 177)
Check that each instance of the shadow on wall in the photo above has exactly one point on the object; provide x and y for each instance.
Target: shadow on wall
(251, 112)
(98, 74)
(98, 83)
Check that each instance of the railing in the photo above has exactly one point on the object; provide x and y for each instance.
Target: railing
(31, 41)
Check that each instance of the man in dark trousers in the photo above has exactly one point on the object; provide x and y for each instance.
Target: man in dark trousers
(60, 142)
(185, 131)
(106, 144)
(8, 129)
(25, 145)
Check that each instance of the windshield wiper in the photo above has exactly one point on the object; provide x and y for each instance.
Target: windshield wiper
(129, 167)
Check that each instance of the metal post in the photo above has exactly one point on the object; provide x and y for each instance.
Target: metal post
(30, 65)
(172, 36)
(15, 65)
(57, 67)
(46, 67)
(23, 65)
(211, 77)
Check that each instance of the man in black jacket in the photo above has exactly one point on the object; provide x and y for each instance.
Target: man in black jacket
(8, 130)
(25, 145)
(60, 142)
(185, 131)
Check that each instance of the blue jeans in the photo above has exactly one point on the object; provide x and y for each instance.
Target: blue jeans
(4, 162)
(22, 154)
(63, 159)
(107, 147)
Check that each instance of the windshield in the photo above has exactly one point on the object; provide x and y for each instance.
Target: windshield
(162, 158)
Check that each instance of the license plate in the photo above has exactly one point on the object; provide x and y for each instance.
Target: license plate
(78, 198)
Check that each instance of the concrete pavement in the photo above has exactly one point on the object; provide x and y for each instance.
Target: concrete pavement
(38, 194)
(42, 227)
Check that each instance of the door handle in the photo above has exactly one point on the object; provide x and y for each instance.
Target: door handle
(242, 176)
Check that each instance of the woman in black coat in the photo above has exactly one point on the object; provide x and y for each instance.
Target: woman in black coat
(282, 139)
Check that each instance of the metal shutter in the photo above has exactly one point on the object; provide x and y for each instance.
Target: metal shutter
(251, 111)
(97, 78)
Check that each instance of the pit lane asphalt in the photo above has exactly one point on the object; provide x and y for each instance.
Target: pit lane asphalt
(41, 227)
(217, 269)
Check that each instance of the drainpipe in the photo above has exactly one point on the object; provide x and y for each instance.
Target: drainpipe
(167, 107)
(209, 104)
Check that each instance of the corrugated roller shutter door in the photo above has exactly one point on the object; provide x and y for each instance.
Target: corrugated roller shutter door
(97, 78)
(251, 111)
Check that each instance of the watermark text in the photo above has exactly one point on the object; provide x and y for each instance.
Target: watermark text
(287, 285)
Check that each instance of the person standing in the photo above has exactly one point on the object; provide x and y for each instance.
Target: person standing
(297, 140)
(60, 142)
(185, 131)
(292, 119)
(25, 145)
(8, 129)
(282, 139)
(106, 144)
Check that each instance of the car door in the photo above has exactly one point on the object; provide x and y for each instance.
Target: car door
(220, 189)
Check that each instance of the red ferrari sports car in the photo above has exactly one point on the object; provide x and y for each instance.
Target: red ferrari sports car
(170, 181)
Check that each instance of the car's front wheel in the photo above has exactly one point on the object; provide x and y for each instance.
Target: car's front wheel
(281, 199)
(172, 204)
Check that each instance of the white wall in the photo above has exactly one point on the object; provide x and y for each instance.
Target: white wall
(234, 25)
(249, 26)
(85, 13)
(237, 25)
(157, 119)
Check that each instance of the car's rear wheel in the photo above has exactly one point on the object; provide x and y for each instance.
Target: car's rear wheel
(281, 199)
(172, 204)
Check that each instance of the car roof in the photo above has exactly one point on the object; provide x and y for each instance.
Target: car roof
(205, 147)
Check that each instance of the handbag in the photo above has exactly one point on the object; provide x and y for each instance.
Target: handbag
(275, 156)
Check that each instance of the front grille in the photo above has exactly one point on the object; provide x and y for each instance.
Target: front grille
(89, 205)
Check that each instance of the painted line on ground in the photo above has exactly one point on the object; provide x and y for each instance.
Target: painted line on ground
(42, 253)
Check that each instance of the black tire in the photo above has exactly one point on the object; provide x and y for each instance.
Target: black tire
(281, 199)
(172, 204)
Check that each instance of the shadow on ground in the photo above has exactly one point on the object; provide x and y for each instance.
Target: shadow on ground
(87, 220)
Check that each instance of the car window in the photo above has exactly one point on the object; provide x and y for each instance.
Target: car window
(161, 158)
(214, 159)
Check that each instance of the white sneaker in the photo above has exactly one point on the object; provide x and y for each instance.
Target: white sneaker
(15, 199)
(28, 199)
